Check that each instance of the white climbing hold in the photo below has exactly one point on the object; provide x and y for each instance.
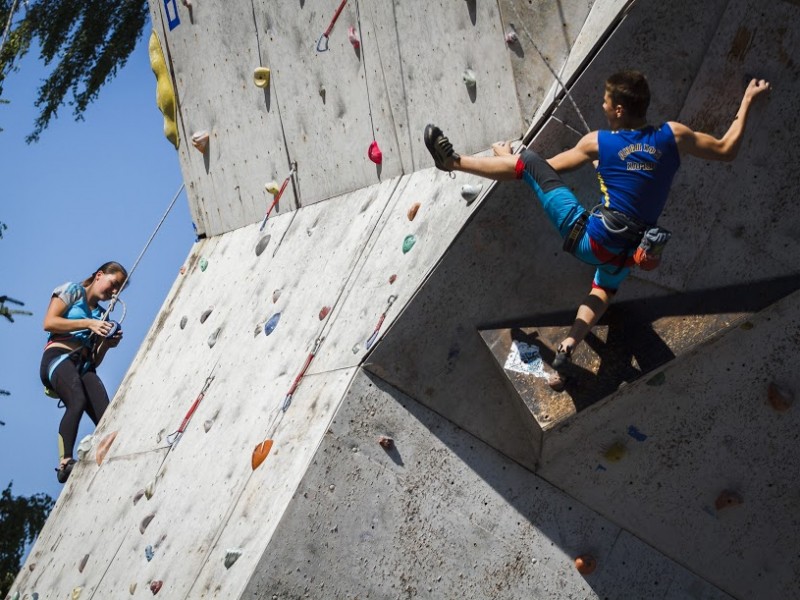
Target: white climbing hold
(469, 192)
(261, 77)
(469, 78)
(212, 339)
(231, 556)
(207, 424)
(149, 489)
(85, 447)
(132, 588)
(200, 141)
(511, 35)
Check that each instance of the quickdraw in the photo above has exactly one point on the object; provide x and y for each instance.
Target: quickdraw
(287, 401)
(322, 42)
(174, 437)
(277, 196)
(374, 336)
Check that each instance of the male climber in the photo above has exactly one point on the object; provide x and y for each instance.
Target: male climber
(635, 164)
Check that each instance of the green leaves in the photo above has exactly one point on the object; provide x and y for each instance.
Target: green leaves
(83, 41)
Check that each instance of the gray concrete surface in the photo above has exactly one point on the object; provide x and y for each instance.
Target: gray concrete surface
(476, 498)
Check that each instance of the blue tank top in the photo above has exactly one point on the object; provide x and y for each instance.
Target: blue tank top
(74, 296)
(635, 171)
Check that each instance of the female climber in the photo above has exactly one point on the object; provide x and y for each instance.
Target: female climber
(77, 342)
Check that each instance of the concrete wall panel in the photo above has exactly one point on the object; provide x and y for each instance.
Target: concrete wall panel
(706, 429)
(474, 524)
(213, 72)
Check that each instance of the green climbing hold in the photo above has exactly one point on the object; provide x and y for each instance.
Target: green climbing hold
(657, 379)
(203, 264)
(408, 243)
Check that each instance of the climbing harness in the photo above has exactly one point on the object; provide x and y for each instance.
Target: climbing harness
(575, 233)
(322, 42)
(627, 228)
(287, 401)
(371, 341)
(278, 196)
(174, 437)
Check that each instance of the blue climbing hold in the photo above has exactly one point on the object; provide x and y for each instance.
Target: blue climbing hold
(148, 553)
(270, 325)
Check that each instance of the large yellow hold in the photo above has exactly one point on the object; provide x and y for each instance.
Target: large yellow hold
(165, 94)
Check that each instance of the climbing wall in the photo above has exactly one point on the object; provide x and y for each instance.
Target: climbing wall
(319, 410)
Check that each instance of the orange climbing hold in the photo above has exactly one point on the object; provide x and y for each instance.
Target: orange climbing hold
(586, 564)
(779, 398)
(200, 141)
(412, 212)
(260, 453)
(727, 498)
(103, 447)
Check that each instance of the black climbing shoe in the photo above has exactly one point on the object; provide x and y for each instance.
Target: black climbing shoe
(62, 472)
(440, 147)
(563, 358)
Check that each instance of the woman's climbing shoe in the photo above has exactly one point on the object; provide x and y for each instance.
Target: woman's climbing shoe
(63, 471)
(440, 148)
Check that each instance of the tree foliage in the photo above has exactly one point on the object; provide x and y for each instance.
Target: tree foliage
(21, 520)
(84, 42)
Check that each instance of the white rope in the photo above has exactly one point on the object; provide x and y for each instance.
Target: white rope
(547, 64)
(115, 298)
(8, 25)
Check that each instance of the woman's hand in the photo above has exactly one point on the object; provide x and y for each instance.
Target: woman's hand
(99, 327)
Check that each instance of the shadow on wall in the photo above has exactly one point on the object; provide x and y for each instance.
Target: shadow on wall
(647, 332)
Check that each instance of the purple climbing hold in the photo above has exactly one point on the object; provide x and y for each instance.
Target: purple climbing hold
(272, 323)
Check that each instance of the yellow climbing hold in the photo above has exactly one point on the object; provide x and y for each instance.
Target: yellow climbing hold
(76, 593)
(165, 94)
(273, 188)
(261, 77)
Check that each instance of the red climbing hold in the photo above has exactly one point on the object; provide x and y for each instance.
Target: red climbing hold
(779, 398)
(260, 453)
(386, 442)
(586, 564)
(324, 312)
(353, 37)
(392, 279)
(374, 153)
(727, 498)
(155, 586)
(103, 447)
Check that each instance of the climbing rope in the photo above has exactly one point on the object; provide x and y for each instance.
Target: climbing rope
(322, 42)
(547, 64)
(115, 297)
(364, 60)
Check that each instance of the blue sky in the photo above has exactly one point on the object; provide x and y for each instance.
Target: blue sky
(86, 193)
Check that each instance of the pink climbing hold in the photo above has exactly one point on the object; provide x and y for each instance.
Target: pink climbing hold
(324, 312)
(353, 36)
(374, 153)
(103, 447)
